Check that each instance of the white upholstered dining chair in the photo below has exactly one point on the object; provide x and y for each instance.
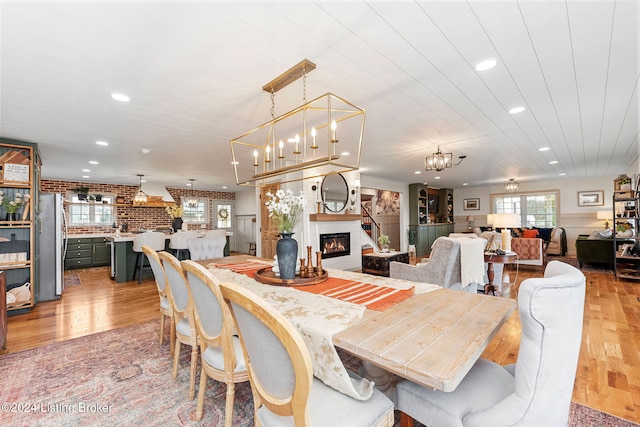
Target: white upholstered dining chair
(186, 332)
(155, 240)
(536, 391)
(166, 307)
(221, 352)
(178, 242)
(284, 390)
(206, 247)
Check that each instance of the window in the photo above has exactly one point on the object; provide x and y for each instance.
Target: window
(91, 213)
(198, 214)
(535, 209)
(223, 215)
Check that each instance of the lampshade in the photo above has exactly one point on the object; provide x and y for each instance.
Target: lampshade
(490, 219)
(506, 220)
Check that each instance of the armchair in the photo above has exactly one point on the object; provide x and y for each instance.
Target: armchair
(537, 389)
(442, 268)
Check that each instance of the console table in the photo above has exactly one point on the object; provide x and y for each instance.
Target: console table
(378, 263)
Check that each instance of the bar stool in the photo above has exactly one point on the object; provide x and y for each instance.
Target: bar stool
(178, 242)
(155, 241)
(252, 248)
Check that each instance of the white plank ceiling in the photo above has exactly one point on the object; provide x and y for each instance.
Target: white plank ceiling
(195, 71)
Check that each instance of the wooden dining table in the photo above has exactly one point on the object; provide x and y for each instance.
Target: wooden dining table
(432, 338)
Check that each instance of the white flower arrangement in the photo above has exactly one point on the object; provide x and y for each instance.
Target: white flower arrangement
(12, 206)
(174, 211)
(285, 208)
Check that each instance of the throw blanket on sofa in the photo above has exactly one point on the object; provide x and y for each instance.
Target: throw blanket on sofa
(471, 260)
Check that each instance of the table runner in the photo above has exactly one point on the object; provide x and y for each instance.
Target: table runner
(373, 297)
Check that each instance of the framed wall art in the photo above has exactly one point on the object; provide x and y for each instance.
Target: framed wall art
(591, 198)
(471, 204)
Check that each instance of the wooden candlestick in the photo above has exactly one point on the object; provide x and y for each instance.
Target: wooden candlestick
(318, 263)
(310, 272)
(303, 269)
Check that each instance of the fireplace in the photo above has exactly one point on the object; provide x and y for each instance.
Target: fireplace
(335, 245)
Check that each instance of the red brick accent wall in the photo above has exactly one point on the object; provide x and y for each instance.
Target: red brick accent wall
(148, 218)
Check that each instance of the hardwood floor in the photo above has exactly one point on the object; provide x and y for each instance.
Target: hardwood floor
(608, 377)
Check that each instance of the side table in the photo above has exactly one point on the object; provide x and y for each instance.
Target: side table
(378, 263)
(490, 258)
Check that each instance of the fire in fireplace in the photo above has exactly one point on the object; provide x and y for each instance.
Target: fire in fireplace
(335, 245)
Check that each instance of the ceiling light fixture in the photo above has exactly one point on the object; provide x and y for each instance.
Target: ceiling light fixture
(192, 200)
(103, 143)
(307, 141)
(140, 199)
(511, 186)
(120, 97)
(93, 162)
(439, 161)
(485, 65)
(553, 162)
(544, 149)
(516, 110)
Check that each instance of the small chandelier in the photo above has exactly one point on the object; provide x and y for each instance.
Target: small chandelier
(141, 197)
(439, 161)
(192, 200)
(320, 137)
(511, 186)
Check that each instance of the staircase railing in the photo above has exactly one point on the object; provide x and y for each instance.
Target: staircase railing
(369, 225)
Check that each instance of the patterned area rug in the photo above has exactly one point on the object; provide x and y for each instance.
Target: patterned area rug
(71, 278)
(123, 377)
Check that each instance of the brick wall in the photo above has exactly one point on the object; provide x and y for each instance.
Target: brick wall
(148, 218)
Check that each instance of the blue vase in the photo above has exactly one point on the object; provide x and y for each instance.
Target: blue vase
(287, 251)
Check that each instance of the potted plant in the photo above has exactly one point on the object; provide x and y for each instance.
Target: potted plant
(411, 235)
(98, 197)
(383, 241)
(83, 192)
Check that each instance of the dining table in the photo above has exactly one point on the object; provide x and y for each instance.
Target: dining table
(418, 331)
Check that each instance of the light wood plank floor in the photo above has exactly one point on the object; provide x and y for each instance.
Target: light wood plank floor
(608, 376)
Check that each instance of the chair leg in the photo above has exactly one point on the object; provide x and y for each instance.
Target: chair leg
(405, 420)
(201, 392)
(176, 356)
(192, 374)
(141, 257)
(135, 269)
(172, 335)
(228, 411)
(162, 328)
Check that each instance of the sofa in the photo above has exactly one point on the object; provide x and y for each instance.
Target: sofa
(591, 248)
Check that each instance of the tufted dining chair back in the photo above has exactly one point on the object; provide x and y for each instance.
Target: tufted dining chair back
(178, 242)
(206, 247)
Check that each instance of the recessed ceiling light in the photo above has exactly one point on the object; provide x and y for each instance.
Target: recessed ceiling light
(516, 110)
(553, 162)
(418, 172)
(143, 180)
(562, 174)
(224, 187)
(93, 162)
(465, 183)
(485, 65)
(345, 153)
(103, 143)
(145, 150)
(544, 149)
(86, 170)
(234, 163)
(86, 176)
(120, 97)
(437, 177)
(188, 184)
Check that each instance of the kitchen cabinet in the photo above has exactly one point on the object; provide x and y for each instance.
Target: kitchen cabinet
(19, 176)
(87, 252)
(427, 234)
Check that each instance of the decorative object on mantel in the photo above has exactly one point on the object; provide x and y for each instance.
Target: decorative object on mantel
(511, 186)
(439, 161)
(286, 209)
(140, 197)
(307, 137)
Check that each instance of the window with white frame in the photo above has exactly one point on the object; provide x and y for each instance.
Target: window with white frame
(197, 213)
(91, 212)
(223, 215)
(538, 209)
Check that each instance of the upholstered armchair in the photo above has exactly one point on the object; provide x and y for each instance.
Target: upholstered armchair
(557, 242)
(537, 389)
(441, 268)
(206, 247)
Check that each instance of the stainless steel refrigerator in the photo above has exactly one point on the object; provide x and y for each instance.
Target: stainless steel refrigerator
(51, 237)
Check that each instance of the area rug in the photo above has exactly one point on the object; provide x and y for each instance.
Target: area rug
(71, 278)
(586, 267)
(123, 377)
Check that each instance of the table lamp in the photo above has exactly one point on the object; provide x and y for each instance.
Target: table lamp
(604, 215)
(490, 221)
(470, 220)
(504, 221)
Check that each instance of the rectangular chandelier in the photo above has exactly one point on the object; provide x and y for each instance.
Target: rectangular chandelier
(320, 137)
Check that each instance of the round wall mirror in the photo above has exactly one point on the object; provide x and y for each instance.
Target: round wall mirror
(335, 192)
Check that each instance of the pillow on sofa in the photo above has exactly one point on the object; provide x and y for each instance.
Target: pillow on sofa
(529, 234)
(544, 233)
(600, 235)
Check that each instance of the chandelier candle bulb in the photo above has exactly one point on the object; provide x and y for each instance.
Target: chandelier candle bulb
(334, 126)
(313, 135)
(255, 157)
(268, 154)
(281, 146)
(297, 140)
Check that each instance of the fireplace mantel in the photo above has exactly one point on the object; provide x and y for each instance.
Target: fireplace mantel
(336, 217)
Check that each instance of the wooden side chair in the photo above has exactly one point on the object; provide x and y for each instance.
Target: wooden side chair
(166, 306)
(186, 332)
(221, 355)
(281, 375)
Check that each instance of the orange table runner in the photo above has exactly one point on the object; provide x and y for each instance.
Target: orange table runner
(373, 297)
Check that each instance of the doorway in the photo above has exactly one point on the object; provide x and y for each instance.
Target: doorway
(381, 215)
